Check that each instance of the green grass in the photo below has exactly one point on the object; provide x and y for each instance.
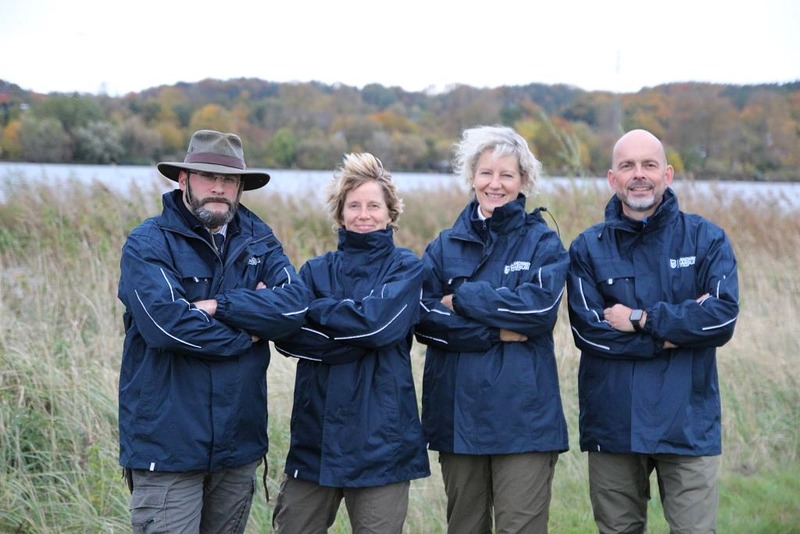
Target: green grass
(61, 337)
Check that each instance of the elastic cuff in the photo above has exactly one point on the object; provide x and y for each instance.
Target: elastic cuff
(494, 336)
(222, 306)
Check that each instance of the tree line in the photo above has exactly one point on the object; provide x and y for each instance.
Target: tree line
(712, 131)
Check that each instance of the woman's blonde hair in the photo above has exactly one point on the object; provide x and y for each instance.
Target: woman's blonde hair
(356, 170)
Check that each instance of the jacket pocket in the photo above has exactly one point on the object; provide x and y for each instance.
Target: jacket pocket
(617, 283)
(147, 510)
(454, 276)
(196, 280)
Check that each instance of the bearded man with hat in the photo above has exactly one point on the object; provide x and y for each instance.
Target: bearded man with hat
(205, 285)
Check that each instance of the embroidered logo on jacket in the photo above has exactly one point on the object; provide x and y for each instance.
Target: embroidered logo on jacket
(254, 260)
(682, 262)
(517, 266)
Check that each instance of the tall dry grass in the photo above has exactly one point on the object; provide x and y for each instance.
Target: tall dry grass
(61, 337)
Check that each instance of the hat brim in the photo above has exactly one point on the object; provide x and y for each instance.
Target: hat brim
(252, 179)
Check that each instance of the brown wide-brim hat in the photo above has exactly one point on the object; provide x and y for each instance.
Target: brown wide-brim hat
(217, 153)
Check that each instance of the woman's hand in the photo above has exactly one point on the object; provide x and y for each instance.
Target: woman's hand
(510, 336)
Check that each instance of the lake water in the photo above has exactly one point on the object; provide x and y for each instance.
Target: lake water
(312, 183)
(120, 177)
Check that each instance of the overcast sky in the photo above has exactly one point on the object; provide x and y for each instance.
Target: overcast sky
(93, 46)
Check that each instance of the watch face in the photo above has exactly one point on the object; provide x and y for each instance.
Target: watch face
(636, 315)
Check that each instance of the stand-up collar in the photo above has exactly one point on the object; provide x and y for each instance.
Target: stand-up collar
(504, 218)
(373, 244)
(665, 213)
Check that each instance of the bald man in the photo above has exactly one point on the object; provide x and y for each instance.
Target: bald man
(653, 292)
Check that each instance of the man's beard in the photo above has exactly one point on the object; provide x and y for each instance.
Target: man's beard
(641, 204)
(211, 219)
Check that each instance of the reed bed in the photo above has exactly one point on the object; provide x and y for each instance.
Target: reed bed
(61, 337)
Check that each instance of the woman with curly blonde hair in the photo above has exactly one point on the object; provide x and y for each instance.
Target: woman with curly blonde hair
(355, 431)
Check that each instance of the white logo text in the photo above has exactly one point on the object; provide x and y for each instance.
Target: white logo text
(682, 262)
(517, 266)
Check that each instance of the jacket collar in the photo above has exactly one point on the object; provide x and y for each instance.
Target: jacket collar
(664, 215)
(373, 244)
(504, 219)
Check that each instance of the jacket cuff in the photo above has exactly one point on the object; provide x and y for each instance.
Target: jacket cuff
(658, 343)
(648, 323)
(455, 305)
(494, 336)
(222, 306)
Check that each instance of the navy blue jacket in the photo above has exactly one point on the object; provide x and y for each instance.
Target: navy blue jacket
(192, 388)
(481, 395)
(635, 396)
(355, 421)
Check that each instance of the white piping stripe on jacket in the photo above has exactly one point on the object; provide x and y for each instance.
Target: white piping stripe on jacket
(159, 326)
(589, 342)
(583, 298)
(442, 341)
(378, 330)
(543, 310)
(299, 356)
(440, 312)
(166, 279)
(726, 323)
(597, 317)
(307, 329)
(289, 281)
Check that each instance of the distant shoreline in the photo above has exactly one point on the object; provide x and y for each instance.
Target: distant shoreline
(311, 183)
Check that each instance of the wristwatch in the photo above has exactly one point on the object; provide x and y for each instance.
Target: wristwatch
(636, 316)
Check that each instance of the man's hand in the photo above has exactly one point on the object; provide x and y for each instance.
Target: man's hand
(209, 306)
(619, 317)
(254, 338)
(447, 301)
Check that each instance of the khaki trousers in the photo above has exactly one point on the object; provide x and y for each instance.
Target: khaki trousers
(196, 501)
(517, 487)
(619, 486)
(304, 507)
